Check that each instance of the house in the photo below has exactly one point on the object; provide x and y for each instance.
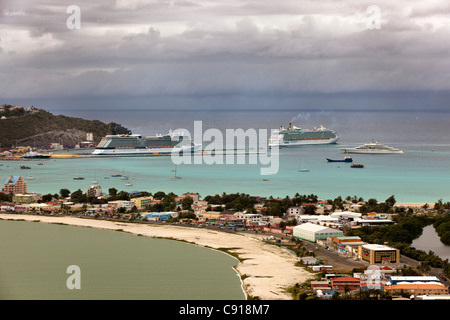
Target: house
(309, 261)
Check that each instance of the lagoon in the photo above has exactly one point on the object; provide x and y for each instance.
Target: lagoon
(429, 240)
(113, 264)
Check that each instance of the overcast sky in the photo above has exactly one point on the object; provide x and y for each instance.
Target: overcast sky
(225, 53)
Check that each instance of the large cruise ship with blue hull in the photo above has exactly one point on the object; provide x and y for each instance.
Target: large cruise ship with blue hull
(293, 136)
(138, 145)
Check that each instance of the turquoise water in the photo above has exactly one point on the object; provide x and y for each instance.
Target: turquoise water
(416, 176)
(114, 265)
(422, 174)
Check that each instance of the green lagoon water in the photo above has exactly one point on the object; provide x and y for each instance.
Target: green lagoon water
(34, 258)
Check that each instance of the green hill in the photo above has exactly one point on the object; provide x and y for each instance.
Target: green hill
(37, 127)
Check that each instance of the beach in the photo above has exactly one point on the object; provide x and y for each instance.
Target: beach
(267, 270)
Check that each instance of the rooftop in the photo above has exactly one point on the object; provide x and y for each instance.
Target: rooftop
(377, 247)
(11, 180)
(315, 228)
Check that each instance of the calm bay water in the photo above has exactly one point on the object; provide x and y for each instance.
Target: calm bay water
(420, 175)
(114, 265)
(429, 240)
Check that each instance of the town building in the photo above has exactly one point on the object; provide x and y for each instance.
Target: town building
(309, 261)
(371, 222)
(379, 254)
(412, 279)
(429, 289)
(157, 216)
(15, 184)
(313, 232)
(346, 245)
(94, 192)
(23, 198)
(342, 283)
(128, 205)
(293, 211)
(142, 202)
(194, 197)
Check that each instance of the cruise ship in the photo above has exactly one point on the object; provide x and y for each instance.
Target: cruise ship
(372, 148)
(138, 145)
(293, 136)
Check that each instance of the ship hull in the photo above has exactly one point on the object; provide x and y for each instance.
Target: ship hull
(372, 151)
(141, 151)
(299, 143)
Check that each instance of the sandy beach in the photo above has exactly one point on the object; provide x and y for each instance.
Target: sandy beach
(413, 205)
(268, 269)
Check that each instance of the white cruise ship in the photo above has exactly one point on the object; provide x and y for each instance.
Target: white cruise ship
(293, 136)
(137, 145)
(372, 148)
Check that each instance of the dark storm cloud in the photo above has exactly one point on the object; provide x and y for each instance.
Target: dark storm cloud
(221, 47)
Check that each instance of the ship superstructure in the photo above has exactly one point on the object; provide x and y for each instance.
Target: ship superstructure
(372, 148)
(293, 136)
(136, 144)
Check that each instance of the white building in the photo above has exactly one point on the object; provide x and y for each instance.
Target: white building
(128, 205)
(294, 211)
(313, 232)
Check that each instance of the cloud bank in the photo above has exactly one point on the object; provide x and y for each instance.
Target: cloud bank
(165, 48)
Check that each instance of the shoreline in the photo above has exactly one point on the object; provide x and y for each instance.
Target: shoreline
(265, 270)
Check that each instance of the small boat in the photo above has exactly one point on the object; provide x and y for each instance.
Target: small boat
(78, 178)
(116, 175)
(106, 178)
(128, 184)
(40, 164)
(265, 179)
(346, 159)
(30, 178)
(124, 178)
(303, 169)
(24, 167)
(357, 166)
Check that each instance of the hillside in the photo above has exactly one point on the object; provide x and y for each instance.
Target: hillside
(37, 127)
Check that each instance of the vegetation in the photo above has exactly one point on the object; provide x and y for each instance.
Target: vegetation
(21, 125)
(442, 226)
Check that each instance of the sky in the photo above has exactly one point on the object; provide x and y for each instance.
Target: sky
(225, 54)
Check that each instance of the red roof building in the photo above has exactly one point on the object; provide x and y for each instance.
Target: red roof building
(343, 282)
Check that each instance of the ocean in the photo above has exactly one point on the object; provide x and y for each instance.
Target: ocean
(421, 174)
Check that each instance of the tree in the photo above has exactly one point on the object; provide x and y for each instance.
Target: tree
(78, 196)
(186, 203)
(47, 197)
(112, 192)
(64, 193)
(159, 195)
(390, 201)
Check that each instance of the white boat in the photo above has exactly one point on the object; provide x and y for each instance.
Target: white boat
(372, 148)
(303, 169)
